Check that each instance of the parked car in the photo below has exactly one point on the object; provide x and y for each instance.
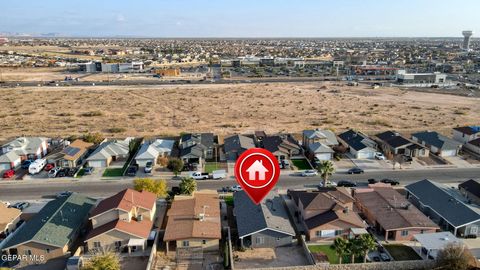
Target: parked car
(21, 205)
(7, 204)
(37, 166)
(148, 167)
(385, 257)
(355, 170)
(219, 174)
(376, 259)
(407, 159)
(236, 188)
(199, 175)
(390, 181)
(49, 166)
(132, 171)
(329, 184)
(61, 172)
(63, 194)
(309, 173)
(71, 172)
(88, 170)
(8, 173)
(26, 164)
(372, 181)
(346, 183)
(379, 156)
(53, 172)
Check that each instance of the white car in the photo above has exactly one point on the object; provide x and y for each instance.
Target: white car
(329, 184)
(309, 173)
(236, 188)
(379, 156)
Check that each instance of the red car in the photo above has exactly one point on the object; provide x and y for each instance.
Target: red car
(9, 174)
(49, 166)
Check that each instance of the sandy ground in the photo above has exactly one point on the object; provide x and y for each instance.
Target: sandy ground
(226, 109)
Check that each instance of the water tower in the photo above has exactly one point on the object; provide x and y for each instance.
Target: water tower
(466, 39)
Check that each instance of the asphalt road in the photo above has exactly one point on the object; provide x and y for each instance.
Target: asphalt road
(15, 191)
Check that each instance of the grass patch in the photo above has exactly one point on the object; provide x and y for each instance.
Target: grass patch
(80, 173)
(92, 114)
(113, 172)
(116, 130)
(211, 166)
(402, 253)
(327, 250)
(301, 164)
(229, 200)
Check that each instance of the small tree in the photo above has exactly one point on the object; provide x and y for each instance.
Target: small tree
(326, 169)
(455, 256)
(188, 186)
(176, 165)
(107, 261)
(159, 187)
(366, 243)
(95, 138)
(340, 246)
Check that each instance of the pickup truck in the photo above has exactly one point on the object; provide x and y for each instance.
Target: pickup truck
(199, 175)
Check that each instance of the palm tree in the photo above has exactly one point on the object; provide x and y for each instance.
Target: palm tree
(188, 186)
(354, 248)
(340, 246)
(325, 168)
(366, 243)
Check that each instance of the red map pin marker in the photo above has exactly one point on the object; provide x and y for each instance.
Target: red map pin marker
(257, 172)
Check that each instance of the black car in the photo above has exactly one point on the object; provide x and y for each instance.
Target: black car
(390, 181)
(346, 183)
(355, 170)
(62, 172)
(71, 172)
(132, 171)
(372, 181)
(376, 259)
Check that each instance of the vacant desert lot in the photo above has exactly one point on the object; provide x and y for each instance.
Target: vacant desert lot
(225, 109)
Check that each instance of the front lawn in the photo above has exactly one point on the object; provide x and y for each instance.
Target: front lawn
(301, 164)
(402, 253)
(229, 200)
(211, 166)
(113, 172)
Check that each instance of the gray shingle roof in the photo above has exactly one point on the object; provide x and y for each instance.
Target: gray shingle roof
(108, 149)
(435, 139)
(269, 214)
(330, 137)
(438, 199)
(237, 143)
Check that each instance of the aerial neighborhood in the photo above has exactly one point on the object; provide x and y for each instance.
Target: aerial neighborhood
(221, 227)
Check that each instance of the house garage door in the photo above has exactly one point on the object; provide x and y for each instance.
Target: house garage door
(448, 153)
(324, 156)
(97, 163)
(365, 155)
(143, 162)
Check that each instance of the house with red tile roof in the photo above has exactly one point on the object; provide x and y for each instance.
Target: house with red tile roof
(122, 223)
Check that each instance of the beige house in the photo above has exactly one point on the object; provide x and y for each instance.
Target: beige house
(9, 217)
(72, 155)
(194, 222)
(122, 223)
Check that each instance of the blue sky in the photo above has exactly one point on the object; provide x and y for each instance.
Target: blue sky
(242, 18)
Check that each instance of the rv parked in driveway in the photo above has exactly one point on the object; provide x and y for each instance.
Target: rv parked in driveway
(37, 166)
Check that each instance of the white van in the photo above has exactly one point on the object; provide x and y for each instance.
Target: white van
(220, 174)
(37, 166)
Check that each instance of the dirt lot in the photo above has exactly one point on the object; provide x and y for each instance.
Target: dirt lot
(267, 257)
(226, 109)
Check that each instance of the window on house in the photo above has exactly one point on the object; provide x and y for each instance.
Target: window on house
(318, 233)
(185, 243)
(422, 231)
(404, 233)
(338, 232)
(47, 250)
(204, 242)
(474, 229)
(118, 244)
(260, 240)
(28, 252)
(97, 245)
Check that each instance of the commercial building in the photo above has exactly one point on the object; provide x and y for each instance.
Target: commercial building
(421, 78)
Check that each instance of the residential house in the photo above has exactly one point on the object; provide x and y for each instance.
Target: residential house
(9, 218)
(446, 210)
(466, 134)
(327, 213)
(471, 191)
(194, 222)
(71, 156)
(265, 225)
(20, 149)
(108, 152)
(197, 147)
(122, 222)
(432, 243)
(391, 214)
(395, 144)
(151, 151)
(359, 144)
(319, 143)
(282, 146)
(235, 145)
(437, 143)
(473, 146)
(259, 135)
(53, 231)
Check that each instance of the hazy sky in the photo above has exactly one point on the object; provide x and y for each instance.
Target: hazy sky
(242, 18)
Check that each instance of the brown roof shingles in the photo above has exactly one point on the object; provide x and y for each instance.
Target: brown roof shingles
(137, 228)
(184, 220)
(126, 200)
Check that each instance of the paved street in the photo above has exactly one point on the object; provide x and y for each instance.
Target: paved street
(31, 190)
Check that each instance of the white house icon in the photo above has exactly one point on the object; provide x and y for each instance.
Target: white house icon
(257, 167)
